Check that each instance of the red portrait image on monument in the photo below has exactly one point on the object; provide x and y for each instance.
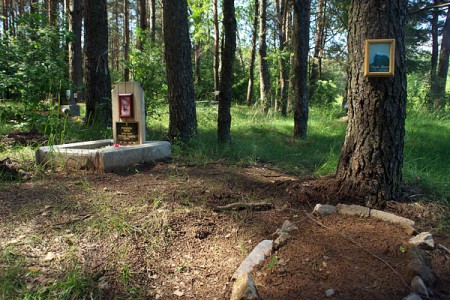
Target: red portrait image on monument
(126, 105)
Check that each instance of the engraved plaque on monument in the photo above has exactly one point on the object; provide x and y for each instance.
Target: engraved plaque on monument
(127, 133)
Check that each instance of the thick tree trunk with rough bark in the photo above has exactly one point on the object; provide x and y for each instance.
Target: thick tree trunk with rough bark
(370, 166)
(264, 76)
(442, 72)
(251, 78)
(183, 119)
(226, 74)
(75, 50)
(301, 48)
(98, 84)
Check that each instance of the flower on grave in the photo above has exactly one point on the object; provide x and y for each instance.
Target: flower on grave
(116, 145)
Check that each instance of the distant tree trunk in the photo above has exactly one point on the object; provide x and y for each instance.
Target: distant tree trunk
(5, 19)
(153, 20)
(21, 7)
(251, 78)
(442, 72)
(301, 48)
(126, 41)
(143, 24)
(116, 47)
(264, 76)
(281, 21)
(316, 69)
(183, 119)
(216, 49)
(53, 11)
(98, 84)
(370, 166)
(434, 51)
(226, 74)
(75, 51)
(34, 6)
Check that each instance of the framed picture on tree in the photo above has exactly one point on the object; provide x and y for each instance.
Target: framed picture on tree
(379, 58)
(126, 105)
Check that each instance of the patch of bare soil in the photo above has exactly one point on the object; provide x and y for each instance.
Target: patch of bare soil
(155, 234)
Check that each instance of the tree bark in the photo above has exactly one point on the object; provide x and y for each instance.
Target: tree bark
(216, 49)
(98, 84)
(126, 41)
(264, 76)
(316, 69)
(153, 20)
(75, 50)
(143, 24)
(183, 119)
(115, 36)
(434, 51)
(439, 101)
(251, 78)
(282, 28)
(5, 20)
(370, 166)
(226, 74)
(301, 48)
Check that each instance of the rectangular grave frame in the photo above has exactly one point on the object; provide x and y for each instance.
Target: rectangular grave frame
(369, 47)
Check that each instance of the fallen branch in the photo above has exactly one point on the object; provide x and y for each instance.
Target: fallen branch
(368, 251)
(242, 206)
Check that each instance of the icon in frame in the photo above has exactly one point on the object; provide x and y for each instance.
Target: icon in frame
(126, 105)
(379, 58)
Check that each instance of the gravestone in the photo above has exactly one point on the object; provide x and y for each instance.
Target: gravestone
(128, 109)
(73, 109)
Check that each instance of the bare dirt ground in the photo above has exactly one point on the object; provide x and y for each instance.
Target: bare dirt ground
(153, 233)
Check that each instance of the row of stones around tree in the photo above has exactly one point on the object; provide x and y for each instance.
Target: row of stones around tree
(244, 287)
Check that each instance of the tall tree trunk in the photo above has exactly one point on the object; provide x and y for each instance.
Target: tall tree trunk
(281, 22)
(316, 69)
(251, 78)
(442, 72)
(126, 41)
(5, 19)
(143, 24)
(264, 76)
(153, 20)
(370, 166)
(226, 74)
(216, 48)
(21, 7)
(301, 48)
(183, 118)
(98, 83)
(75, 50)
(116, 48)
(52, 11)
(434, 51)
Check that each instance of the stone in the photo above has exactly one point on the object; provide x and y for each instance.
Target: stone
(50, 256)
(329, 293)
(281, 240)
(419, 286)
(288, 226)
(423, 240)
(412, 296)
(324, 209)
(389, 217)
(258, 254)
(244, 288)
(353, 210)
(419, 265)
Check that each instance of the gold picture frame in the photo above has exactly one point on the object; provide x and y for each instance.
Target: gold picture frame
(379, 58)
